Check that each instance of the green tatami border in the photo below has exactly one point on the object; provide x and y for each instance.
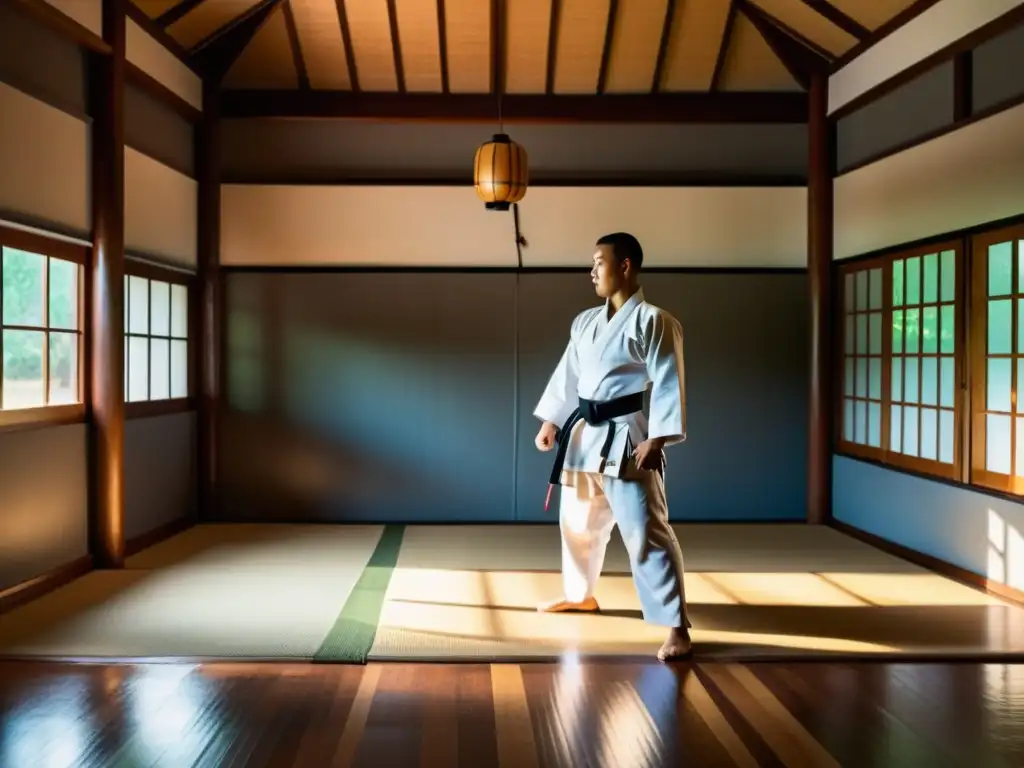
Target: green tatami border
(351, 638)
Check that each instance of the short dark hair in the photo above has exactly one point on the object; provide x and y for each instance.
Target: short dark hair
(624, 246)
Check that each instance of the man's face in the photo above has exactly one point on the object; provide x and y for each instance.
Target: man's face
(608, 274)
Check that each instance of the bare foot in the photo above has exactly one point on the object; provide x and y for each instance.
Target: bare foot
(677, 646)
(588, 605)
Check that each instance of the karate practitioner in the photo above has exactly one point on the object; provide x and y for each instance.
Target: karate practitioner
(610, 460)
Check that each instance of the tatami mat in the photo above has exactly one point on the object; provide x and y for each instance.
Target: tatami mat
(215, 591)
(754, 591)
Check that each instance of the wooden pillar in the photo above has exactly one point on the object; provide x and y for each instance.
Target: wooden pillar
(106, 295)
(819, 267)
(207, 140)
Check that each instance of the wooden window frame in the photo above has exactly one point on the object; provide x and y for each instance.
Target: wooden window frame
(139, 409)
(884, 454)
(978, 354)
(52, 248)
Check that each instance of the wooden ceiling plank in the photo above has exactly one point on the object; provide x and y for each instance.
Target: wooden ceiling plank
(840, 19)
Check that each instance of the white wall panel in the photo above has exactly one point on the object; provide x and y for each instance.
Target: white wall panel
(88, 13)
(676, 226)
(160, 216)
(961, 179)
(151, 57)
(283, 225)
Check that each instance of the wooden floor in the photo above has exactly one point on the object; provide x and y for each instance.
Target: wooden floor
(567, 714)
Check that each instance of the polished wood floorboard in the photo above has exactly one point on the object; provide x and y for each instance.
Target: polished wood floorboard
(568, 714)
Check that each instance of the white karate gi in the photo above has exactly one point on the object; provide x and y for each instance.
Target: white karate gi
(641, 345)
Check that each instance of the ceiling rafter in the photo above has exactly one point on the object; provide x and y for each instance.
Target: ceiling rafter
(796, 55)
(217, 53)
(346, 39)
(606, 50)
(499, 12)
(849, 25)
(396, 46)
(177, 12)
(666, 36)
(723, 48)
(298, 58)
(556, 20)
(442, 43)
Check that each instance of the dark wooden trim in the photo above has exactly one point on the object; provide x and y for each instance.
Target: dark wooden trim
(821, 56)
(552, 62)
(137, 15)
(148, 409)
(924, 138)
(909, 13)
(723, 49)
(941, 567)
(170, 162)
(217, 53)
(298, 59)
(796, 55)
(652, 180)
(840, 19)
(396, 44)
(442, 43)
(609, 41)
(25, 419)
(176, 12)
(733, 107)
(998, 26)
(106, 369)
(36, 587)
(350, 54)
(209, 300)
(963, 86)
(63, 25)
(160, 534)
(151, 271)
(666, 36)
(160, 92)
(352, 269)
(29, 241)
(819, 267)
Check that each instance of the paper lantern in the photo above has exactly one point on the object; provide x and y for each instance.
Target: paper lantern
(500, 173)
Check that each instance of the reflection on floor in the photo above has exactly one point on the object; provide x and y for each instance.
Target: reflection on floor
(469, 593)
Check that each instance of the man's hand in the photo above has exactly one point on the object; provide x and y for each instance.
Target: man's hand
(647, 455)
(546, 437)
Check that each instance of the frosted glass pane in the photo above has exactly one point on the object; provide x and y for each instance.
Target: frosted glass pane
(897, 283)
(848, 420)
(896, 428)
(1019, 458)
(929, 381)
(125, 383)
(1000, 267)
(914, 280)
(1020, 266)
(910, 431)
(998, 384)
(930, 330)
(1020, 379)
(862, 334)
(910, 380)
(138, 371)
(997, 443)
(875, 378)
(179, 368)
(1020, 326)
(947, 381)
(948, 279)
(159, 369)
(875, 289)
(947, 329)
(848, 292)
(875, 333)
(947, 437)
(138, 298)
(862, 377)
(850, 335)
(861, 422)
(1000, 326)
(127, 302)
(913, 331)
(848, 378)
(896, 375)
(160, 312)
(897, 331)
(930, 292)
(929, 433)
(875, 425)
(179, 311)
(862, 290)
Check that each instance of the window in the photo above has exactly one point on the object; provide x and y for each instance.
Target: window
(997, 359)
(41, 339)
(156, 342)
(900, 358)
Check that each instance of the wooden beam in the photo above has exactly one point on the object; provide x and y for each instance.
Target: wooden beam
(298, 59)
(442, 44)
(963, 86)
(396, 45)
(149, 26)
(819, 271)
(798, 58)
(62, 24)
(844, 22)
(908, 14)
(498, 11)
(760, 107)
(177, 12)
(606, 50)
(346, 38)
(723, 49)
(666, 36)
(552, 62)
(217, 53)
(208, 176)
(106, 299)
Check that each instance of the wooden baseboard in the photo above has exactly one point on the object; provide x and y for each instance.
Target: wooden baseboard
(135, 545)
(27, 591)
(941, 567)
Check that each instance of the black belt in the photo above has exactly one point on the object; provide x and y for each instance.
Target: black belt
(594, 413)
